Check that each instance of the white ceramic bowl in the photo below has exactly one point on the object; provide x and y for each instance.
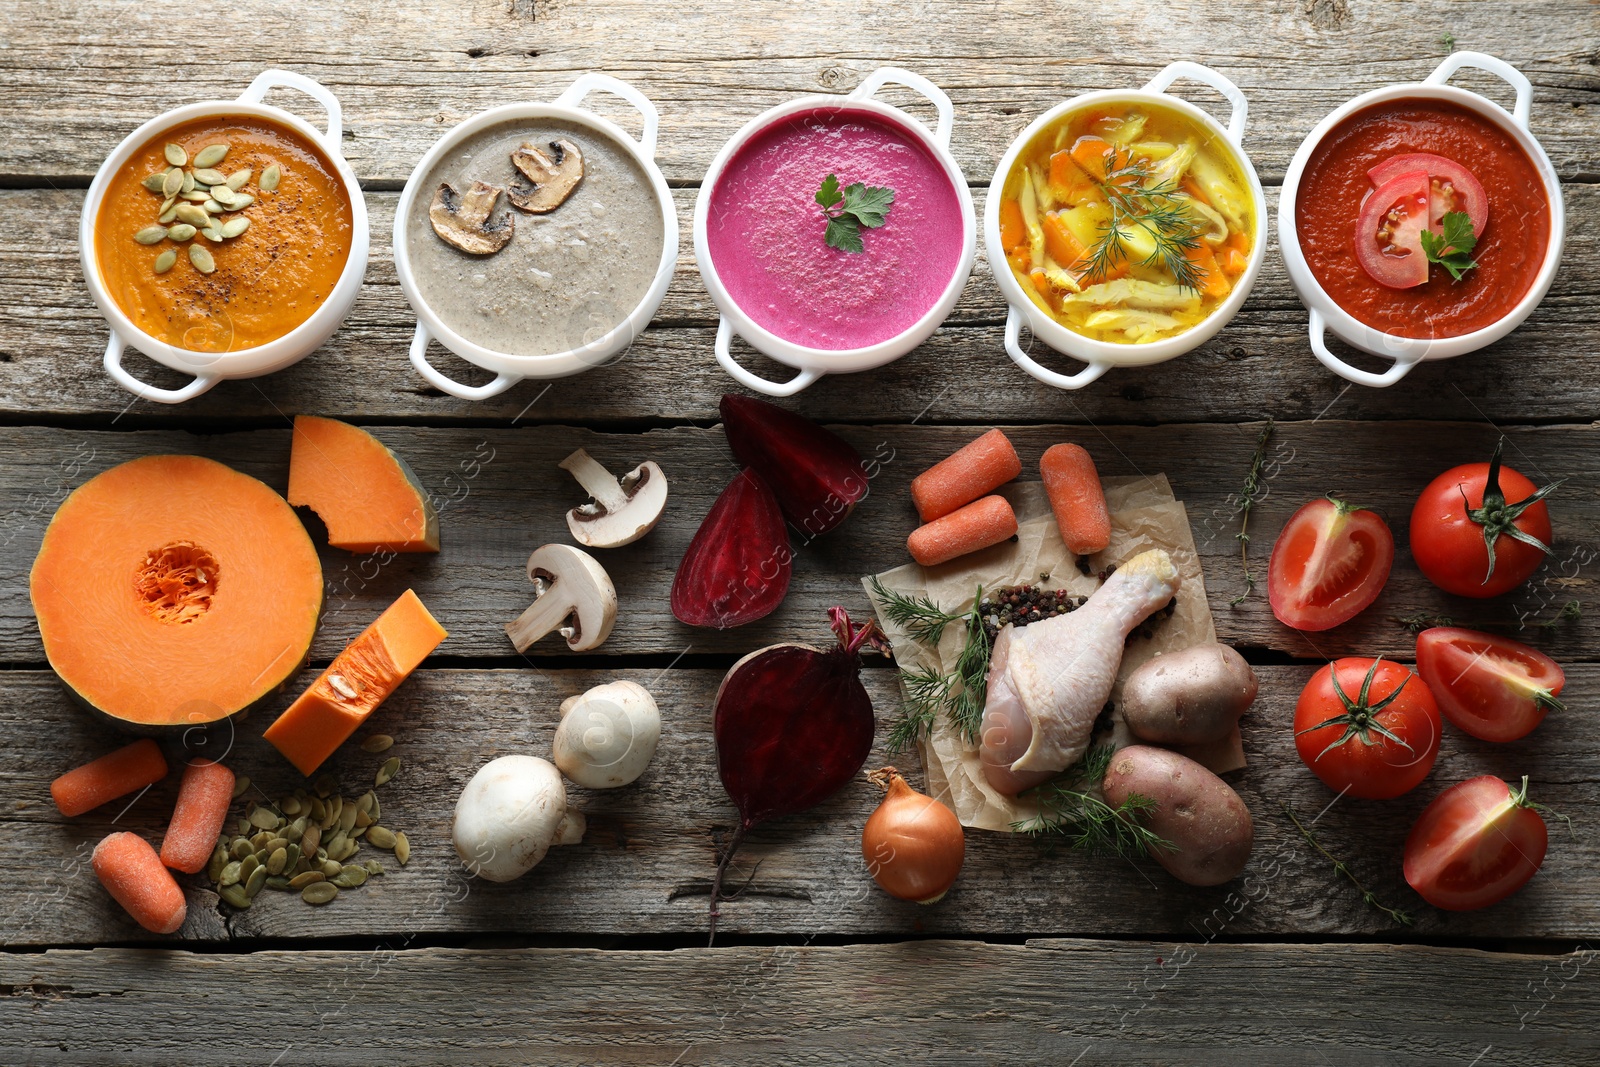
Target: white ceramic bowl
(813, 363)
(1407, 352)
(510, 369)
(209, 368)
(1101, 356)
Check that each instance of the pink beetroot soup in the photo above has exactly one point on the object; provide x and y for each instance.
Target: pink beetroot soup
(765, 231)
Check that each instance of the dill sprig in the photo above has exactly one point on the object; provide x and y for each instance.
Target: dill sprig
(1248, 494)
(918, 616)
(1159, 209)
(1343, 871)
(1068, 812)
(960, 695)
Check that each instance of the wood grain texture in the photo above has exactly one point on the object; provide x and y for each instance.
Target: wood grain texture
(1260, 365)
(1088, 1003)
(502, 495)
(409, 75)
(645, 862)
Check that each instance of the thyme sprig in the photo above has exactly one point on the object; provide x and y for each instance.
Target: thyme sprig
(1343, 871)
(1248, 494)
(1071, 814)
(1157, 208)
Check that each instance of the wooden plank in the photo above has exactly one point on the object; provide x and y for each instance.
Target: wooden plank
(408, 76)
(1259, 365)
(503, 495)
(645, 863)
(1090, 1003)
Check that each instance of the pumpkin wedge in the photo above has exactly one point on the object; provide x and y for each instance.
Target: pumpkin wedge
(172, 591)
(359, 679)
(366, 496)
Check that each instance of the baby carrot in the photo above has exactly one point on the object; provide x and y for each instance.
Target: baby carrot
(1076, 497)
(975, 469)
(197, 818)
(113, 775)
(978, 525)
(132, 873)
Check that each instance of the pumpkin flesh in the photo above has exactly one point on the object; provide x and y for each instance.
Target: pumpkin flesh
(367, 496)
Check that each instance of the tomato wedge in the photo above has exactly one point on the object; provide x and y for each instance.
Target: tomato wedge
(1492, 687)
(1451, 187)
(1388, 236)
(1329, 563)
(1476, 844)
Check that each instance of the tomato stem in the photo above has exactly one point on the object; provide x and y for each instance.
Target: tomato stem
(1360, 718)
(1498, 517)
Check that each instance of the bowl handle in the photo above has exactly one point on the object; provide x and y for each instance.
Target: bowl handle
(1194, 71)
(419, 360)
(1498, 67)
(1049, 377)
(588, 83)
(751, 381)
(114, 350)
(1319, 347)
(288, 79)
(935, 95)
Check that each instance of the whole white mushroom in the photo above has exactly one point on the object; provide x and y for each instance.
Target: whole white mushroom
(607, 735)
(510, 814)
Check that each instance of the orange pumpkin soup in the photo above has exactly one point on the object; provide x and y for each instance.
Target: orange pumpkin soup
(187, 270)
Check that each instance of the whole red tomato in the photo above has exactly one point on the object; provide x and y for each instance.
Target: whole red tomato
(1469, 540)
(1476, 844)
(1367, 727)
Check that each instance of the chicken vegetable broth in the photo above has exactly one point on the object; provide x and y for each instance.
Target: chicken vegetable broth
(564, 279)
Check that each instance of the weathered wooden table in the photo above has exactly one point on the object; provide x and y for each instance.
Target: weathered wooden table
(594, 958)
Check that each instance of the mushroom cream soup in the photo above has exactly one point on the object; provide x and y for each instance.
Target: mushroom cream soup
(534, 237)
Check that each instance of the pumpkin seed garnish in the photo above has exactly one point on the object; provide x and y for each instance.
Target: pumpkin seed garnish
(234, 227)
(386, 773)
(377, 743)
(175, 155)
(319, 893)
(196, 196)
(212, 206)
(172, 184)
(150, 235)
(168, 215)
(194, 216)
(269, 178)
(381, 836)
(241, 201)
(235, 895)
(402, 847)
(239, 178)
(166, 205)
(300, 881)
(213, 234)
(210, 155)
(223, 195)
(187, 178)
(257, 879)
(201, 258)
(156, 182)
(165, 261)
(208, 176)
(181, 232)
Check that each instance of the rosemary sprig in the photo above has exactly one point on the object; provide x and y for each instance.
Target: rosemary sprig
(1343, 871)
(1083, 820)
(1247, 502)
(1159, 209)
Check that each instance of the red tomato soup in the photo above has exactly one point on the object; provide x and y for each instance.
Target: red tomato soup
(1509, 250)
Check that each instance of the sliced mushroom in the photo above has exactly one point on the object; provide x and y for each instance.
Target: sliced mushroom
(573, 595)
(462, 219)
(551, 178)
(621, 512)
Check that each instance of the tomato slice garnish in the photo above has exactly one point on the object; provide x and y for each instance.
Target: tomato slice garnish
(1451, 187)
(1388, 236)
(1476, 844)
(1329, 563)
(1490, 686)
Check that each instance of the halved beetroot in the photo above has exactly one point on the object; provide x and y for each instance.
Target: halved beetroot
(815, 474)
(736, 569)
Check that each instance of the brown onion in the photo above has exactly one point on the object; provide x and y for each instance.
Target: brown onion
(913, 844)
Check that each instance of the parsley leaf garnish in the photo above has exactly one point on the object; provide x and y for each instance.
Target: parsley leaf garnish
(1451, 249)
(849, 210)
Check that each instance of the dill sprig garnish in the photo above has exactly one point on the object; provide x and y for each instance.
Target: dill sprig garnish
(1157, 208)
(918, 616)
(1248, 494)
(1343, 871)
(1069, 813)
(960, 695)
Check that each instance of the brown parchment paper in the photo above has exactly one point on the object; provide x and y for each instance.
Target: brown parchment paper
(1144, 515)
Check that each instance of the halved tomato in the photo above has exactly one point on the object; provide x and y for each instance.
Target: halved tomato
(1451, 187)
(1476, 844)
(1329, 563)
(1388, 236)
(1490, 686)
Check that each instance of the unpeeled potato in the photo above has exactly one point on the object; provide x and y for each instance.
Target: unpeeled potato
(1200, 814)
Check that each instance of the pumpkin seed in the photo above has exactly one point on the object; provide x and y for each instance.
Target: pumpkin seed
(257, 879)
(235, 895)
(172, 184)
(291, 854)
(219, 859)
(210, 155)
(201, 258)
(277, 883)
(319, 893)
(265, 818)
(175, 155)
(244, 827)
(223, 195)
(277, 861)
(181, 232)
(272, 846)
(386, 773)
(196, 196)
(381, 836)
(318, 809)
(240, 848)
(301, 866)
(295, 830)
(213, 207)
(150, 235)
(230, 873)
(300, 881)
(310, 840)
(402, 847)
(347, 818)
(168, 215)
(351, 877)
(187, 179)
(194, 216)
(209, 176)
(331, 868)
(234, 227)
(292, 806)
(364, 801)
(334, 841)
(239, 178)
(166, 205)
(350, 847)
(363, 820)
(247, 867)
(373, 868)
(213, 234)
(240, 784)
(377, 743)
(377, 807)
(325, 785)
(156, 182)
(335, 809)
(165, 261)
(241, 201)
(269, 178)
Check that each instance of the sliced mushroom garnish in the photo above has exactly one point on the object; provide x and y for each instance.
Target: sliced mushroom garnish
(462, 219)
(550, 178)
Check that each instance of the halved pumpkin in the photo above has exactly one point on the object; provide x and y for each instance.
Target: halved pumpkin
(359, 679)
(172, 591)
(367, 496)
